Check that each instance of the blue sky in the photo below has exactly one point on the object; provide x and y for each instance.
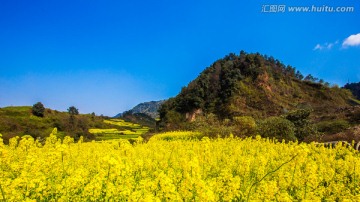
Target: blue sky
(107, 56)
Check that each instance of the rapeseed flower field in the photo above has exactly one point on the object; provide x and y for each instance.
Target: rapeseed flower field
(177, 169)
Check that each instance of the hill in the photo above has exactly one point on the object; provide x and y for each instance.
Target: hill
(354, 88)
(20, 121)
(256, 86)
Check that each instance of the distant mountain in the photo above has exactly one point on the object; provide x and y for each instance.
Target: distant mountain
(149, 108)
(354, 88)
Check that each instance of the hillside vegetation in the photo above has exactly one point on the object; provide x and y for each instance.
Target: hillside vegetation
(354, 88)
(239, 92)
(20, 121)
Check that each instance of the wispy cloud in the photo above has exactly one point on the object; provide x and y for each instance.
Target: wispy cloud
(352, 40)
(325, 46)
(318, 47)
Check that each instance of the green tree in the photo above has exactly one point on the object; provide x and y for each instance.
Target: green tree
(303, 127)
(93, 116)
(38, 109)
(311, 78)
(73, 110)
(298, 75)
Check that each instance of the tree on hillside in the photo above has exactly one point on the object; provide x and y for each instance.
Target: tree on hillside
(73, 110)
(301, 120)
(38, 109)
(311, 78)
(72, 119)
(298, 75)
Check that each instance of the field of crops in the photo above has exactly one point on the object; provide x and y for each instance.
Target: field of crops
(130, 130)
(176, 169)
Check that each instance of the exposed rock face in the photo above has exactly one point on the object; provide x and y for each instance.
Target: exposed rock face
(191, 116)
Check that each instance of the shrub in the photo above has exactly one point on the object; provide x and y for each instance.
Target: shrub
(211, 126)
(332, 127)
(279, 128)
(355, 116)
(298, 116)
(300, 119)
(244, 125)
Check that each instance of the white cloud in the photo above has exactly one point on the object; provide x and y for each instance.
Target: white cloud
(325, 46)
(353, 40)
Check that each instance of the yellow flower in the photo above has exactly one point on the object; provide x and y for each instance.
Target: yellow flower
(183, 169)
